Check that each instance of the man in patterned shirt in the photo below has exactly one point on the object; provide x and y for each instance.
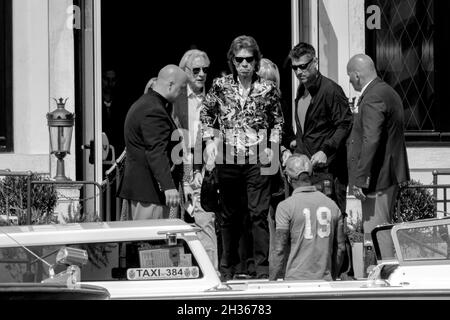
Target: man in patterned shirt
(242, 121)
(312, 224)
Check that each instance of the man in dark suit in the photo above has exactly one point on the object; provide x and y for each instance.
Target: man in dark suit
(377, 157)
(149, 183)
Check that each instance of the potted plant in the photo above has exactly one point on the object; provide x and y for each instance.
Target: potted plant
(13, 200)
(355, 234)
(414, 203)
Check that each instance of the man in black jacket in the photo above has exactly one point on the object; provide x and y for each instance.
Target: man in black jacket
(149, 181)
(323, 119)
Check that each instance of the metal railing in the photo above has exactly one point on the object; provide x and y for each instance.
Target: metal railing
(29, 176)
(436, 174)
(112, 181)
(76, 184)
(102, 192)
(30, 183)
(113, 178)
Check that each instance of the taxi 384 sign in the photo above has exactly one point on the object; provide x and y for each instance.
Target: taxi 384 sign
(162, 273)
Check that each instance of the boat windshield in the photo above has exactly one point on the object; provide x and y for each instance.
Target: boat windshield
(423, 241)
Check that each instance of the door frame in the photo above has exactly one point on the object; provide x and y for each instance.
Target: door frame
(97, 28)
(88, 91)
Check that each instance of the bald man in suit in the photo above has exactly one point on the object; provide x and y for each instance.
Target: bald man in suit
(377, 157)
(150, 182)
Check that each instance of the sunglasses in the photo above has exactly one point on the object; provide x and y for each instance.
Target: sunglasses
(241, 59)
(196, 71)
(302, 66)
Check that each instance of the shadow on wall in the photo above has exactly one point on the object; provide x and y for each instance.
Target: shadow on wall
(328, 45)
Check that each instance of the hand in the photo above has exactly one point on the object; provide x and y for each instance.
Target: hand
(320, 158)
(293, 144)
(187, 191)
(269, 154)
(172, 198)
(285, 157)
(189, 202)
(210, 165)
(198, 180)
(358, 193)
(211, 151)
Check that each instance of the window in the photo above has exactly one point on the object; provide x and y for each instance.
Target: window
(149, 260)
(6, 130)
(407, 51)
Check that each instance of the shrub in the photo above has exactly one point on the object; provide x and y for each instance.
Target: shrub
(414, 203)
(13, 194)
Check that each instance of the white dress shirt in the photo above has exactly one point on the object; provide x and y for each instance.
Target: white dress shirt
(194, 105)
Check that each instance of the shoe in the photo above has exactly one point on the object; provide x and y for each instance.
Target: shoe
(242, 276)
(346, 277)
(226, 277)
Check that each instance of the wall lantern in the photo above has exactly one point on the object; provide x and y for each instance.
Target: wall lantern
(60, 125)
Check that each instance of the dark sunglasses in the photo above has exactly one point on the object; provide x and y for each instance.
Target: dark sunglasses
(241, 59)
(302, 66)
(196, 71)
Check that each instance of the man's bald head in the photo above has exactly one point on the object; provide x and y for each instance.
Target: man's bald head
(361, 70)
(171, 80)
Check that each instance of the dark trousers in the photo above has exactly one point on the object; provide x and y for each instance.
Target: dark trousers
(247, 264)
(340, 197)
(377, 210)
(236, 181)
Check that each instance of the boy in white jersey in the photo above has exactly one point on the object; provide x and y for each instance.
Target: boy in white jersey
(310, 224)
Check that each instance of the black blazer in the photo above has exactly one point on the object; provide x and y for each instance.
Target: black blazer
(327, 124)
(377, 157)
(148, 166)
(288, 130)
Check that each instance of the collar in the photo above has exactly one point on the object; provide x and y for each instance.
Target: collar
(164, 101)
(239, 83)
(191, 93)
(167, 105)
(305, 189)
(255, 78)
(314, 86)
(366, 86)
